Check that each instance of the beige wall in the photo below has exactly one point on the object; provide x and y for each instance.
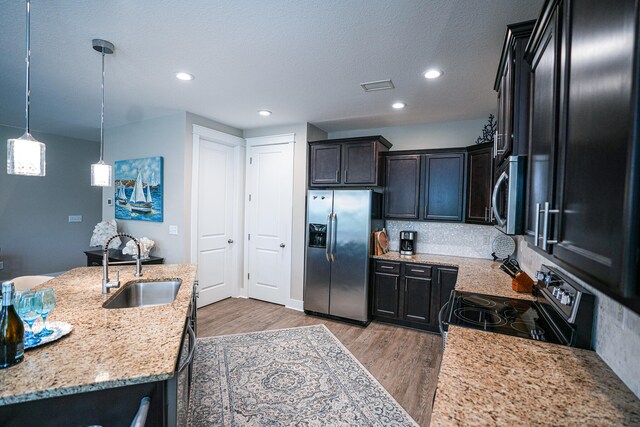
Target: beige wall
(154, 137)
(35, 234)
(429, 135)
(170, 137)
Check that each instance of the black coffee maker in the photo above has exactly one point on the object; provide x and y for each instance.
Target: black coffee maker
(408, 242)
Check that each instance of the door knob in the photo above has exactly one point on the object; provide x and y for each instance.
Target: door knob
(230, 241)
(282, 245)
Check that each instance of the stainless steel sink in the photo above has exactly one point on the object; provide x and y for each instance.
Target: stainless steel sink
(144, 294)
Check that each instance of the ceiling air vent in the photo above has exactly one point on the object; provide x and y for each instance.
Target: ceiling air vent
(377, 85)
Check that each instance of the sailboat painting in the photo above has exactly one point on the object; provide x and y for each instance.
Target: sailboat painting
(138, 189)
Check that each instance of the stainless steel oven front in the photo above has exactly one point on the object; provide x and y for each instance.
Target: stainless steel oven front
(508, 195)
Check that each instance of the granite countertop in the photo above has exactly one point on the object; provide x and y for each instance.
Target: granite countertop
(494, 379)
(476, 275)
(107, 347)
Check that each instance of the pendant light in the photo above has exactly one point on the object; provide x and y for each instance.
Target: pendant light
(102, 173)
(26, 155)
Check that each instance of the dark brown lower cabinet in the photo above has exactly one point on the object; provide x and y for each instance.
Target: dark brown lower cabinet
(417, 299)
(386, 294)
(411, 294)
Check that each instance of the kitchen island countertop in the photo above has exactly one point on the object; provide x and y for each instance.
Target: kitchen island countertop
(494, 379)
(107, 347)
(482, 276)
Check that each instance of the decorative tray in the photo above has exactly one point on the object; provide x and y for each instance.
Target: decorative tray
(60, 329)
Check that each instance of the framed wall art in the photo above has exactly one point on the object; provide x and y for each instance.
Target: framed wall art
(138, 189)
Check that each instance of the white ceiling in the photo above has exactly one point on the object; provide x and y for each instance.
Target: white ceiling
(301, 59)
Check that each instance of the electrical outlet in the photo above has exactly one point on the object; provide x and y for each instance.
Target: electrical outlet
(173, 229)
(109, 202)
(75, 218)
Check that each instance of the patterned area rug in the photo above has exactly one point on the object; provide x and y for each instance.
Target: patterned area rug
(290, 377)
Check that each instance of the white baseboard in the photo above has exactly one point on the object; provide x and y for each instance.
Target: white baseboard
(295, 304)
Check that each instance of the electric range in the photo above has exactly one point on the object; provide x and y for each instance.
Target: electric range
(562, 312)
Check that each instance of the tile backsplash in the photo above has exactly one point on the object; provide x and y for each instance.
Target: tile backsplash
(466, 240)
(616, 328)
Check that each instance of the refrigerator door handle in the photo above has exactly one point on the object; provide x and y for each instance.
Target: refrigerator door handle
(334, 235)
(327, 250)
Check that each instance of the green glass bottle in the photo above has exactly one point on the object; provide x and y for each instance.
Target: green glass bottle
(11, 330)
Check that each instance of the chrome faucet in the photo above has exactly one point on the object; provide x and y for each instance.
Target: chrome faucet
(106, 284)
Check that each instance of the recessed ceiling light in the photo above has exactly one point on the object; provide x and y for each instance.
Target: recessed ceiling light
(433, 74)
(398, 105)
(264, 113)
(184, 76)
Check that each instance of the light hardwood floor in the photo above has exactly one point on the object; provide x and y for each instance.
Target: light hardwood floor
(404, 361)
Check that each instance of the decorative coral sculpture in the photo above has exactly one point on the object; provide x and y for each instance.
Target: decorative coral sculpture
(146, 245)
(102, 231)
(488, 131)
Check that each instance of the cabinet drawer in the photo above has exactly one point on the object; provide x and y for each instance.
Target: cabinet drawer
(388, 267)
(417, 270)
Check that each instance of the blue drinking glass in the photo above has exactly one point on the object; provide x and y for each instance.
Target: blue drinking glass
(16, 301)
(48, 303)
(28, 306)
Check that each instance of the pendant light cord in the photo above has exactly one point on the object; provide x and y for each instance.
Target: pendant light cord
(28, 61)
(102, 113)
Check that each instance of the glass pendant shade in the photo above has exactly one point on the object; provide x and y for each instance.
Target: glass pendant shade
(25, 156)
(101, 174)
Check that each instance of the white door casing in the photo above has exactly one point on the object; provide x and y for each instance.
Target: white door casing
(215, 213)
(268, 218)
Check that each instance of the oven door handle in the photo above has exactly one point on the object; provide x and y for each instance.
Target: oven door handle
(440, 321)
(494, 198)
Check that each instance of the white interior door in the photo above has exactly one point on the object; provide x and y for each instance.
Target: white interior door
(216, 187)
(269, 210)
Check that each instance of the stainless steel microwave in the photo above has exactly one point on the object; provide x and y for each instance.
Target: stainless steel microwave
(508, 195)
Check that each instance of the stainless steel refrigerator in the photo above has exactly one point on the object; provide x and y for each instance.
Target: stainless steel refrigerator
(339, 227)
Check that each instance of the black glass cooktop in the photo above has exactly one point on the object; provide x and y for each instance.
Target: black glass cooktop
(515, 317)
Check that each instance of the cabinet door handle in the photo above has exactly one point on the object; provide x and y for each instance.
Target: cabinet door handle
(338, 176)
(192, 343)
(395, 284)
(545, 226)
(536, 226)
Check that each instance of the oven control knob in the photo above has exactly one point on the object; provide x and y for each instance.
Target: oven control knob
(565, 298)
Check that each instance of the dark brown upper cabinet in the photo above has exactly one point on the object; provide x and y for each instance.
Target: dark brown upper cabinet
(349, 162)
(543, 115)
(479, 184)
(592, 186)
(325, 164)
(402, 186)
(443, 186)
(512, 85)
